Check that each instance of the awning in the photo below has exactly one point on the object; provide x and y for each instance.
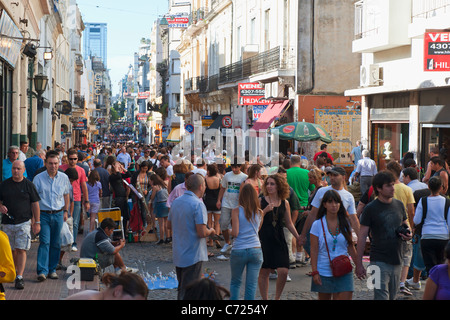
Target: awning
(174, 135)
(217, 124)
(272, 111)
(10, 39)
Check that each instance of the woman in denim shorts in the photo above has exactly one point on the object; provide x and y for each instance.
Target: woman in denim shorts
(332, 222)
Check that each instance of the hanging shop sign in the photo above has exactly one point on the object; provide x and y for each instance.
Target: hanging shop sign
(180, 20)
(80, 125)
(250, 94)
(258, 111)
(207, 121)
(142, 116)
(437, 51)
(10, 39)
(143, 95)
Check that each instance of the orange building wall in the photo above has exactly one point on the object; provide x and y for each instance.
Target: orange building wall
(307, 104)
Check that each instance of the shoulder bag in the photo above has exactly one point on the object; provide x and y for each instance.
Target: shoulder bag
(340, 265)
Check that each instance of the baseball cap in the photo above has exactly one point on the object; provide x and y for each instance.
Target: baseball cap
(338, 170)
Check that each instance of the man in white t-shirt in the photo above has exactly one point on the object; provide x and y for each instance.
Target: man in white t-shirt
(201, 167)
(165, 163)
(229, 199)
(337, 181)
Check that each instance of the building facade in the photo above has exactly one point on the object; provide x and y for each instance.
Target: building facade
(95, 39)
(280, 47)
(404, 77)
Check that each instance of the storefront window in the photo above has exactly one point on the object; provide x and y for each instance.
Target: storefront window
(435, 137)
(390, 141)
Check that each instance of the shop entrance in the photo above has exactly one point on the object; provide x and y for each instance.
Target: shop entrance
(435, 137)
(390, 141)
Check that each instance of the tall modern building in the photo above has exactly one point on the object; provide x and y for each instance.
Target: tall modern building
(95, 41)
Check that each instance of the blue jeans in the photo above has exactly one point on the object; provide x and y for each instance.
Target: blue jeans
(76, 220)
(50, 242)
(251, 258)
(388, 280)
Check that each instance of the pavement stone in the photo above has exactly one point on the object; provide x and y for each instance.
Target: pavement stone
(152, 258)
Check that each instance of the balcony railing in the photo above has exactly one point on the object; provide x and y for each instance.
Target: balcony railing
(273, 59)
(425, 9)
(213, 83)
(278, 58)
(367, 19)
(198, 15)
(192, 84)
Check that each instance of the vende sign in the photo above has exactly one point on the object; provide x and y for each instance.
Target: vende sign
(251, 94)
(437, 51)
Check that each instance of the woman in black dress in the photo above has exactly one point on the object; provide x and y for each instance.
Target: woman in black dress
(213, 182)
(277, 214)
(118, 173)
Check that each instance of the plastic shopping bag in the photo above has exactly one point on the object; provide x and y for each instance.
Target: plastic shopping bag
(66, 235)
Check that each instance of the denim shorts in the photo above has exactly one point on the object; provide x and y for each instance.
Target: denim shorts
(334, 284)
(161, 210)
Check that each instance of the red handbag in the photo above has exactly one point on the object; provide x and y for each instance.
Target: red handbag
(340, 265)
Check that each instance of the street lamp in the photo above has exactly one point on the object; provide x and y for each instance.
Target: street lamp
(48, 55)
(40, 84)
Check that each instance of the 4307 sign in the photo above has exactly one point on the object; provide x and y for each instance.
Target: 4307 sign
(437, 51)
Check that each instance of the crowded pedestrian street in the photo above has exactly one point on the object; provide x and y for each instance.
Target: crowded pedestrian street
(221, 150)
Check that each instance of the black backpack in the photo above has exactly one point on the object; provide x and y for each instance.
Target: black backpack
(418, 228)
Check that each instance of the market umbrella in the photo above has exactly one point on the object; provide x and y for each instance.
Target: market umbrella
(303, 131)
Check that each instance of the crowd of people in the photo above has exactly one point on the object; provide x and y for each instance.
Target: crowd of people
(264, 219)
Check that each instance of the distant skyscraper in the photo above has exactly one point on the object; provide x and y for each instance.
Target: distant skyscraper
(95, 41)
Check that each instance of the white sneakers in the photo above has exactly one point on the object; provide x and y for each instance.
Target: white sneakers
(413, 285)
(227, 247)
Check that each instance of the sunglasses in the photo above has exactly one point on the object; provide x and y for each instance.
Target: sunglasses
(73, 158)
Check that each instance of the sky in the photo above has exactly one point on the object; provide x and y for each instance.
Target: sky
(128, 22)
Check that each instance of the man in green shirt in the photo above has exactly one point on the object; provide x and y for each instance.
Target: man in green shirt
(298, 180)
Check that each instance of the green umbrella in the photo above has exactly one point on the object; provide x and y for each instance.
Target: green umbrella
(303, 131)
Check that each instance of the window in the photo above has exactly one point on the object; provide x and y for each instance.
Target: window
(266, 30)
(253, 31)
(175, 66)
(238, 43)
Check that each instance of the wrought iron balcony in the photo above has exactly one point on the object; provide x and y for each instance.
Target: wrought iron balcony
(273, 59)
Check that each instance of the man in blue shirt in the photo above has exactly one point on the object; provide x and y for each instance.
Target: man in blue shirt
(105, 200)
(356, 153)
(124, 157)
(187, 219)
(13, 155)
(53, 188)
(34, 163)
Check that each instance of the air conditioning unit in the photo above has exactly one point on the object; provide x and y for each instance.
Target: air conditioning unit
(370, 75)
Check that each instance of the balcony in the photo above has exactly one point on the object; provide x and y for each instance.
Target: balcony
(276, 59)
(427, 9)
(78, 100)
(196, 21)
(429, 14)
(381, 25)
